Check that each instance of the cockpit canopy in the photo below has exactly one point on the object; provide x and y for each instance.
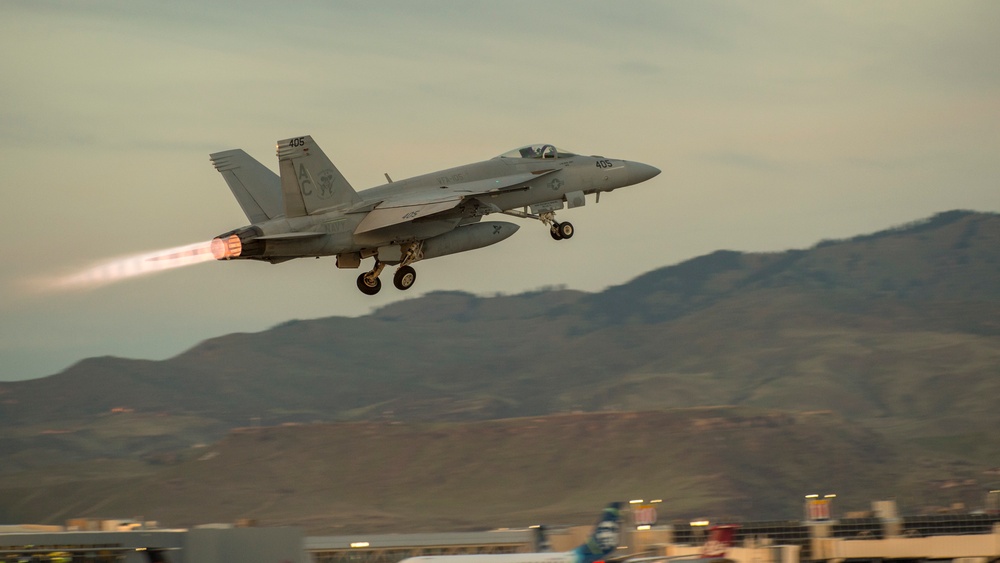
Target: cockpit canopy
(537, 151)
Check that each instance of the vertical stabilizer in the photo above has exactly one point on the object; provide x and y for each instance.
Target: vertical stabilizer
(256, 188)
(309, 181)
(604, 539)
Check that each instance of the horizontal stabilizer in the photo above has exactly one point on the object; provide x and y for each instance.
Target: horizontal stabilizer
(256, 188)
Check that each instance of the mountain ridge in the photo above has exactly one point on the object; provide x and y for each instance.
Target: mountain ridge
(896, 334)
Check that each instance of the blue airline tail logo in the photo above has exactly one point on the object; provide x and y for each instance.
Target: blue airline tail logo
(604, 539)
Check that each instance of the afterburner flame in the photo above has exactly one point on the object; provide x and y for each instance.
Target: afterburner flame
(229, 248)
(120, 269)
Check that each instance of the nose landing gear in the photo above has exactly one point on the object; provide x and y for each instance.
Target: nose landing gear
(561, 231)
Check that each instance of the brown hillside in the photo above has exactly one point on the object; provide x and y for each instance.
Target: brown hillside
(365, 476)
(894, 334)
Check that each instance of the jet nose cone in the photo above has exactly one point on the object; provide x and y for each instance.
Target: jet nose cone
(639, 172)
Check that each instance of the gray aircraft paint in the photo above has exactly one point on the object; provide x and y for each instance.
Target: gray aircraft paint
(403, 222)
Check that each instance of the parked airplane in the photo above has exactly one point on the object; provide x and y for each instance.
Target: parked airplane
(602, 541)
(312, 210)
(720, 539)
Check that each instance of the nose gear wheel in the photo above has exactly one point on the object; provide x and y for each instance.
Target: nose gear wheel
(561, 231)
(565, 229)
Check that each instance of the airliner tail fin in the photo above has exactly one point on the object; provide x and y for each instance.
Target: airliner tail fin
(604, 539)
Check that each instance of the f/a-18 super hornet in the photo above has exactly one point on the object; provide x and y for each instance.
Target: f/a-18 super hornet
(311, 210)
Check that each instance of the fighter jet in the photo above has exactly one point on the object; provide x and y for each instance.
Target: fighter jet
(311, 210)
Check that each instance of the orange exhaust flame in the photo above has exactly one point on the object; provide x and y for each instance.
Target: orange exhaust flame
(228, 248)
(120, 269)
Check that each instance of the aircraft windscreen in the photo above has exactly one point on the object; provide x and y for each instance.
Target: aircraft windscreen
(537, 151)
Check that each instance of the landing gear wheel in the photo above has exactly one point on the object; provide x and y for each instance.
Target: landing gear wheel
(565, 230)
(554, 231)
(369, 288)
(404, 278)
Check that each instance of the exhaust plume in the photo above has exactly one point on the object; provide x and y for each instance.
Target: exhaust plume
(120, 269)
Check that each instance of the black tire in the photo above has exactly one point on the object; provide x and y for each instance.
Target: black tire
(404, 278)
(554, 231)
(566, 230)
(369, 289)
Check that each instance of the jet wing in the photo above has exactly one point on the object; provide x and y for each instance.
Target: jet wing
(409, 206)
(387, 216)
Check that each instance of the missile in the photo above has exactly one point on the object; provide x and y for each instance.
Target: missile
(468, 237)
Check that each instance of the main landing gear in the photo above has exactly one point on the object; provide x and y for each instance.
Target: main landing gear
(403, 279)
(368, 282)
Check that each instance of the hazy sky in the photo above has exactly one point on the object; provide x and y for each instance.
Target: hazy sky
(776, 125)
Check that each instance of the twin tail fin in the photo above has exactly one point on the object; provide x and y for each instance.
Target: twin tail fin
(309, 180)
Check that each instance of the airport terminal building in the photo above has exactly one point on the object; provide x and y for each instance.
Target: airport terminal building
(210, 544)
(883, 537)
